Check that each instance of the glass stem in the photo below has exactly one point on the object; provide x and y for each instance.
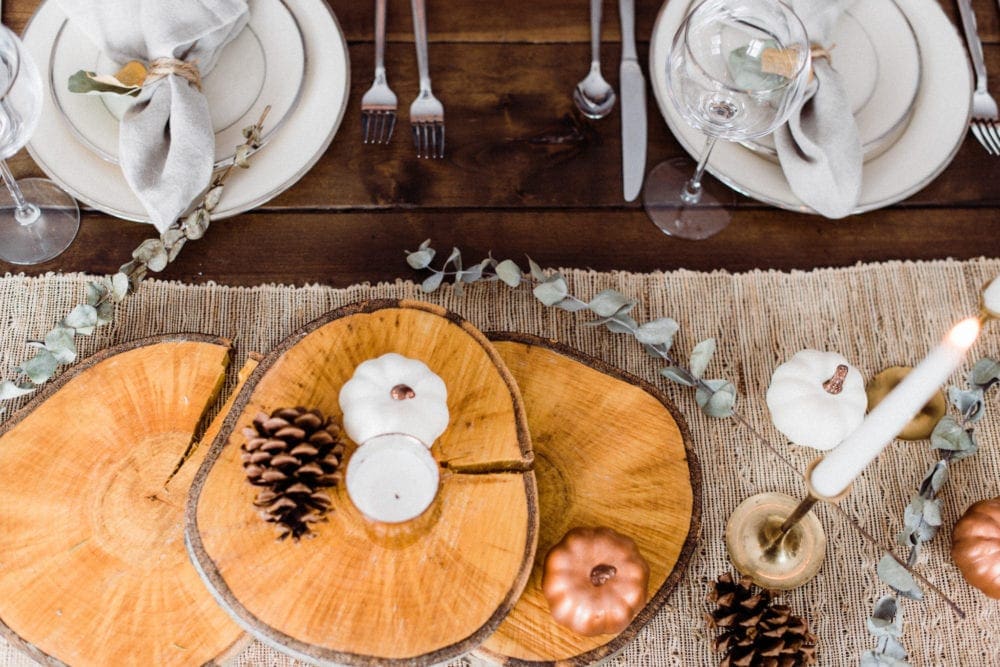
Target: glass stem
(24, 211)
(691, 194)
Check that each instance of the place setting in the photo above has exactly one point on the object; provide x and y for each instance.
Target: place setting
(491, 459)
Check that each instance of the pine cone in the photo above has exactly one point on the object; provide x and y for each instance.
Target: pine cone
(293, 454)
(754, 631)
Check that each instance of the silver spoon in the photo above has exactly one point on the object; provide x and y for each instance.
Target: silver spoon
(594, 96)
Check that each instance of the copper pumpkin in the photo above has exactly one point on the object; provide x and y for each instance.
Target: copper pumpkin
(595, 581)
(975, 546)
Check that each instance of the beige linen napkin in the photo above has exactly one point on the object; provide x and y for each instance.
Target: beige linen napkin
(166, 143)
(819, 148)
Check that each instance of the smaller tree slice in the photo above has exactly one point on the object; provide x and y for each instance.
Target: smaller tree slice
(359, 592)
(610, 450)
(94, 570)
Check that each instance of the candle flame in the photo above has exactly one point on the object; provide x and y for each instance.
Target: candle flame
(964, 334)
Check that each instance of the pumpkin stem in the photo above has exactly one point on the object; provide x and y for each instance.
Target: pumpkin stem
(401, 392)
(835, 385)
(602, 573)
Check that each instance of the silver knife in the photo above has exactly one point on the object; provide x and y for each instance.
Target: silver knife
(633, 95)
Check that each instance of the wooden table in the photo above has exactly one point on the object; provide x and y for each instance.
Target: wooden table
(524, 173)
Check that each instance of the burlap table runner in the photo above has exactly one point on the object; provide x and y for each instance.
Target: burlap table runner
(875, 315)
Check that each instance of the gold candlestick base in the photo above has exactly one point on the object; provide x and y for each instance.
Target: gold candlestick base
(752, 537)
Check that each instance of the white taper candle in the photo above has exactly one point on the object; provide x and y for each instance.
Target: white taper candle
(845, 462)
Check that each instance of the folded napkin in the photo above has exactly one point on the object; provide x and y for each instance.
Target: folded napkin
(166, 144)
(819, 148)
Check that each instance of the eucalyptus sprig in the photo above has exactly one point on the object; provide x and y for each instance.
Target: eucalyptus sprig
(58, 347)
(715, 397)
(953, 439)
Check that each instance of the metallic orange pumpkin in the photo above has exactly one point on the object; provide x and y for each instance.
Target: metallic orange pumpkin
(595, 581)
(975, 546)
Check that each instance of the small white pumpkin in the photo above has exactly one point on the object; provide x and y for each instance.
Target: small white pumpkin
(817, 399)
(394, 394)
(991, 298)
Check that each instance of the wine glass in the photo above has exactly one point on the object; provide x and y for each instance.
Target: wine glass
(736, 70)
(38, 220)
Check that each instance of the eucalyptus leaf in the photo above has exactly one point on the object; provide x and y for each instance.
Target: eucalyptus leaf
(426, 244)
(59, 342)
(420, 259)
(432, 282)
(678, 375)
(720, 401)
(939, 476)
(985, 373)
(171, 237)
(91, 83)
(658, 332)
(536, 271)
(701, 355)
(455, 257)
(105, 313)
(176, 248)
(9, 390)
(212, 198)
(459, 286)
(893, 649)
(608, 302)
(969, 403)
(150, 251)
(509, 272)
(897, 578)
(119, 286)
(572, 305)
(242, 157)
(656, 351)
(622, 324)
(552, 291)
(948, 435)
(95, 292)
(40, 367)
(83, 318)
(887, 618)
(196, 224)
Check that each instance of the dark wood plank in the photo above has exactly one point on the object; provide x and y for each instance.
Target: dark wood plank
(538, 21)
(346, 248)
(515, 140)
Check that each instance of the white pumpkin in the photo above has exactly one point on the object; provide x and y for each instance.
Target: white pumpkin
(817, 399)
(394, 394)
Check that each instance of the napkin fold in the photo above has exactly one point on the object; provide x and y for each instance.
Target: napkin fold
(819, 148)
(166, 144)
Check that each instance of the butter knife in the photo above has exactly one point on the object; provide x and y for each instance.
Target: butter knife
(633, 96)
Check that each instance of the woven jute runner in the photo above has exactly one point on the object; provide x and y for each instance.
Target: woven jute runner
(875, 315)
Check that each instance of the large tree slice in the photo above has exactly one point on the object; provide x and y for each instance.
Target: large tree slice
(610, 451)
(93, 569)
(360, 592)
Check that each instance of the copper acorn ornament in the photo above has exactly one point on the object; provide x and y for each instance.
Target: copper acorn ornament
(975, 546)
(595, 581)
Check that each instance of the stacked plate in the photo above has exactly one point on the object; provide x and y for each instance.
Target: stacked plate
(910, 86)
(292, 56)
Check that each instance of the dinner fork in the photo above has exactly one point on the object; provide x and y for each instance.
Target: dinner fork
(984, 107)
(378, 106)
(426, 112)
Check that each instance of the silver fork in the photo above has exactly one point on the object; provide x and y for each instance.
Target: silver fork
(984, 107)
(378, 106)
(426, 112)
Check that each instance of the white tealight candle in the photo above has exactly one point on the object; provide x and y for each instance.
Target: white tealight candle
(991, 298)
(392, 478)
(835, 472)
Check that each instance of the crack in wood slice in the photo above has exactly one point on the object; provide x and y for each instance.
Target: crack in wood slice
(94, 567)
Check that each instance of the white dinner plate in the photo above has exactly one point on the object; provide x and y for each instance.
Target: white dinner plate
(294, 148)
(930, 140)
(263, 65)
(876, 54)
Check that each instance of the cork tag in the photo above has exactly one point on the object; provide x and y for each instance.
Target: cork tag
(783, 62)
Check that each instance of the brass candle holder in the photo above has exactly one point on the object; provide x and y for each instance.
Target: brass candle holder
(776, 540)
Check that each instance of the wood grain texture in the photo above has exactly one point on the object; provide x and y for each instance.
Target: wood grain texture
(94, 570)
(610, 450)
(362, 592)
